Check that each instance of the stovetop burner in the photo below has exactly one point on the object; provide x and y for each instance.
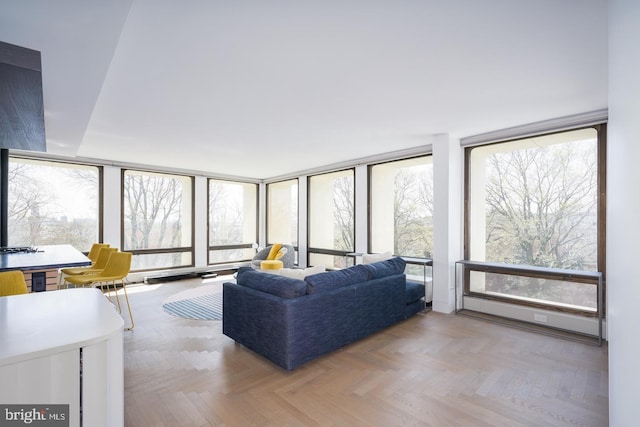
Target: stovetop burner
(17, 249)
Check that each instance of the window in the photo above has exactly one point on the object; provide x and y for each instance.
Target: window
(158, 217)
(401, 212)
(282, 212)
(537, 202)
(401, 207)
(233, 221)
(331, 218)
(53, 203)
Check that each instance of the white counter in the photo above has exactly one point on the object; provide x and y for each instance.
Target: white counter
(63, 347)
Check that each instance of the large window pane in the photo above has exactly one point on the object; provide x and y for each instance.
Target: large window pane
(558, 293)
(331, 214)
(157, 218)
(282, 212)
(53, 203)
(233, 221)
(401, 207)
(534, 202)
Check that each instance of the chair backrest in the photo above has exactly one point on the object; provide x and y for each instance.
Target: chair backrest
(12, 283)
(283, 252)
(95, 251)
(103, 257)
(118, 265)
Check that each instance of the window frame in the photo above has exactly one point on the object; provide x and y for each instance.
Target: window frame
(370, 197)
(158, 251)
(533, 271)
(231, 246)
(324, 251)
(100, 170)
(267, 206)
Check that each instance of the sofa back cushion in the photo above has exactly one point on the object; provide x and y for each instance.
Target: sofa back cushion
(336, 279)
(284, 287)
(371, 258)
(386, 268)
(299, 273)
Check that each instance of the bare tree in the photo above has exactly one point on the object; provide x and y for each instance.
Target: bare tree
(413, 212)
(152, 208)
(541, 206)
(343, 213)
(37, 213)
(29, 205)
(226, 217)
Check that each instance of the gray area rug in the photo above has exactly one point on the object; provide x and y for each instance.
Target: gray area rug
(199, 306)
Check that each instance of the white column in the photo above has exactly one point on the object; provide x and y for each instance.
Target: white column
(262, 215)
(303, 242)
(623, 208)
(447, 219)
(362, 212)
(201, 218)
(112, 202)
(382, 238)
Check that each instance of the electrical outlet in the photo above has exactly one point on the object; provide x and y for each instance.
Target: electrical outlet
(540, 318)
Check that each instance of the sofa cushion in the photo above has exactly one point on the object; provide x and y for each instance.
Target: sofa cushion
(300, 273)
(371, 258)
(414, 291)
(336, 279)
(284, 287)
(386, 268)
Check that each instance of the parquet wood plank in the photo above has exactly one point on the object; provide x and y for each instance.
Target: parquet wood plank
(431, 370)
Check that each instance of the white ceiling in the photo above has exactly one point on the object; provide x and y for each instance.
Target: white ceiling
(262, 88)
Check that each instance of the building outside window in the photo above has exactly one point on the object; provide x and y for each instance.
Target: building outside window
(537, 202)
(233, 221)
(157, 219)
(53, 203)
(282, 212)
(331, 218)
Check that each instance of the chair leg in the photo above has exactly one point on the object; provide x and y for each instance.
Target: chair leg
(62, 281)
(117, 302)
(126, 297)
(105, 289)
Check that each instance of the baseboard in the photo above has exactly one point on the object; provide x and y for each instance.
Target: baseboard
(537, 319)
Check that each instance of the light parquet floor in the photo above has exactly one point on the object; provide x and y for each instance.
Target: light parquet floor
(431, 370)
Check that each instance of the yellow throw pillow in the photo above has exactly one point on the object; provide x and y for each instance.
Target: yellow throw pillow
(274, 251)
(281, 252)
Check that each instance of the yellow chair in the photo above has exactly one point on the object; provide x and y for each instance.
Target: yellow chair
(96, 267)
(93, 256)
(12, 283)
(114, 273)
(95, 251)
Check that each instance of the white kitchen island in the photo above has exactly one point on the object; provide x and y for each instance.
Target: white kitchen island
(63, 347)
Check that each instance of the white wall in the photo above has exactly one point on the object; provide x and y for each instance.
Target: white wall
(623, 212)
(112, 201)
(201, 221)
(447, 219)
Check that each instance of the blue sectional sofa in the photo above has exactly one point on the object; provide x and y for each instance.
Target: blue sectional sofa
(291, 321)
